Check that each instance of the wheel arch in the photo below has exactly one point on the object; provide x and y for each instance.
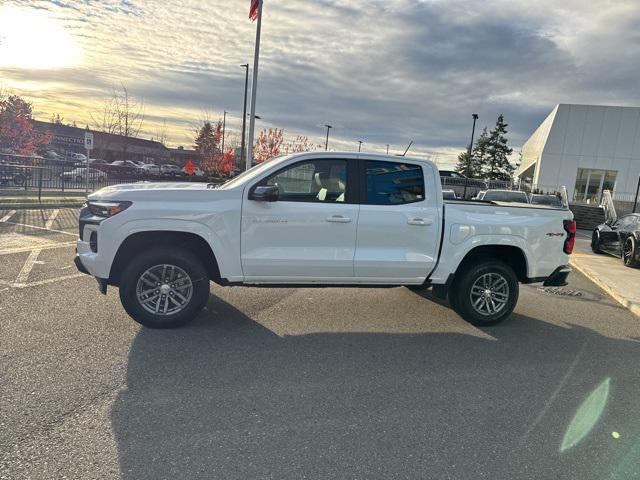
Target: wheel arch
(147, 239)
(511, 255)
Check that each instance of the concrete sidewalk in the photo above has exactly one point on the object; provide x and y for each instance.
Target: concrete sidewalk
(620, 282)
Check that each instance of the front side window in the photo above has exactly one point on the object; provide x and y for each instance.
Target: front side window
(392, 183)
(312, 181)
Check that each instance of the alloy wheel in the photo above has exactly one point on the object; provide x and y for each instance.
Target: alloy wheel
(489, 294)
(164, 289)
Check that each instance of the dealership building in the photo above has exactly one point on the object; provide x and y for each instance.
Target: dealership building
(586, 148)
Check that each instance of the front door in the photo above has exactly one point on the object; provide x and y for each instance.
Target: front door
(398, 223)
(309, 233)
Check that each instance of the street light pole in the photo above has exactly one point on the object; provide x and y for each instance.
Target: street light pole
(473, 131)
(360, 142)
(254, 88)
(326, 143)
(244, 110)
(224, 128)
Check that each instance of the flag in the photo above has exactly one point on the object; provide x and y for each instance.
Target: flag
(253, 9)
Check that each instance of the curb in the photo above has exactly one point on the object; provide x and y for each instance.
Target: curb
(587, 272)
(39, 206)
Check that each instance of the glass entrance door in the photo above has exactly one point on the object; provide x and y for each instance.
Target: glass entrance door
(590, 183)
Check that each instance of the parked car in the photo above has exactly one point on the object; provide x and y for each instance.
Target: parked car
(79, 157)
(449, 195)
(198, 172)
(124, 169)
(619, 237)
(170, 170)
(303, 219)
(497, 195)
(12, 173)
(80, 175)
(151, 169)
(548, 200)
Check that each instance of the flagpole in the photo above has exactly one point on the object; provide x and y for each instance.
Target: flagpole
(254, 89)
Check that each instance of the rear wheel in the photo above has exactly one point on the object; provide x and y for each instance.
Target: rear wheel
(595, 242)
(164, 288)
(485, 293)
(630, 252)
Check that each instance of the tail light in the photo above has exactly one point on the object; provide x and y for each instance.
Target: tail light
(570, 228)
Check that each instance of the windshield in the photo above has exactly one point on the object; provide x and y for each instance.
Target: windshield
(249, 174)
(505, 196)
(550, 200)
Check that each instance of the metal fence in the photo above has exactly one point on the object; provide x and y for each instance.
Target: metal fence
(32, 174)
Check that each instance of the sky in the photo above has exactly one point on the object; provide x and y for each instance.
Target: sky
(384, 72)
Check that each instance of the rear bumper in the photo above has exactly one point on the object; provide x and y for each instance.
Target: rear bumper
(559, 277)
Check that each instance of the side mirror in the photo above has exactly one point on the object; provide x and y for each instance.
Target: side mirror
(265, 193)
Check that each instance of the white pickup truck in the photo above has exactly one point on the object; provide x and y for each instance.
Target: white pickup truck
(318, 219)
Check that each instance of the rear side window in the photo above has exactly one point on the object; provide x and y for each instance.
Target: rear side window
(392, 183)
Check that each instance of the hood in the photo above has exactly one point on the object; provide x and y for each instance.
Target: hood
(157, 191)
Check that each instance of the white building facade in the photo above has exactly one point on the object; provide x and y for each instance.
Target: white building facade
(586, 148)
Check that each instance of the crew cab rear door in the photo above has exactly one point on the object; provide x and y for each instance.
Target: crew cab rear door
(309, 233)
(399, 221)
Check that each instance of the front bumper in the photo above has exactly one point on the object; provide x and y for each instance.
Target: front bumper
(102, 282)
(558, 278)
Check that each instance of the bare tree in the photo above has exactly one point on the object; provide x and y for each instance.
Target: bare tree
(161, 134)
(121, 114)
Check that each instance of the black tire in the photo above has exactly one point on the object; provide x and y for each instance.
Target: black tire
(460, 293)
(440, 291)
(630, 252)
(154, 258)
(417, 288)
(595, 242)
(19, 180)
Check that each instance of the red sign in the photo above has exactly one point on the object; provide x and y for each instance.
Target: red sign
(189, 168)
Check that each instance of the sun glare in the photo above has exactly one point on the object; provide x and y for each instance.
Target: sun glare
(32, 39)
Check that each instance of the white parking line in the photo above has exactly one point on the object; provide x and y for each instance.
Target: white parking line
(7, 216)
(23, 276)
(28, 249)
(42, 228)
(51, 219)
(48, 280)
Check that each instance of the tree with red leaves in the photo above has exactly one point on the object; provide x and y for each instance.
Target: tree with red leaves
(16, 131)
(268, 144)
(226, 163)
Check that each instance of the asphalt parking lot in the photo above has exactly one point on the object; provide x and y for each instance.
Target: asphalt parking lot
(305, 383)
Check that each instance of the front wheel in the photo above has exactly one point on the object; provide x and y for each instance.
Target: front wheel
(485, 293)
(164, 288)
(595, 242)
(630, 252)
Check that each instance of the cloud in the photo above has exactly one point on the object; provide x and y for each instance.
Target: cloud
(382, 71)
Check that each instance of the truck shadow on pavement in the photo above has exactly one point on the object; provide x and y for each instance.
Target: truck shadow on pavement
(227, 398)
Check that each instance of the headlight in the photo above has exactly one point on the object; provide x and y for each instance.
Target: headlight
(107, 209)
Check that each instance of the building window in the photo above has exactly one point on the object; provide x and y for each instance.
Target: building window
(591, 182)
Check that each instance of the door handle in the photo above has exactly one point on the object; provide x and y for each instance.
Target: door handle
(338, 219)
(420, 221)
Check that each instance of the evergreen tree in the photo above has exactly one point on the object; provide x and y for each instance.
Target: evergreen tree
(474, 167)
(497, 164)
(206, 144)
